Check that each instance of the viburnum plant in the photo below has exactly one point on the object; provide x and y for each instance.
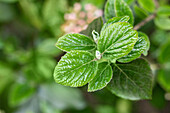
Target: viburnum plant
(107, 54)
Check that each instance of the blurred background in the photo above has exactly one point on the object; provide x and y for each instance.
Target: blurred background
(29, 30)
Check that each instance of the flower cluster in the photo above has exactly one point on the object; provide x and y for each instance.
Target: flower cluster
(80, 17)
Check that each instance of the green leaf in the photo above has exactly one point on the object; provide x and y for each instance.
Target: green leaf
(162, 22)
(136, 52)
(147, 5)
(164, 78)
(94, 25)
(117, 40)
(76, 68)
(129, 1)
(147, 42)
(61, 97)
(53, 13)
(75, 41)
(109, 10)
(114, 20)
(9, 1)
(102, 78)
(164, 54)
(122, 9)
(6, 76)
(140, 12)
(132, 81)
(19, 94)
(7, 12)
(164, 11)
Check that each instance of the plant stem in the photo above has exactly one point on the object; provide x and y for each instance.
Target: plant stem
(151, 17)
(139, 25)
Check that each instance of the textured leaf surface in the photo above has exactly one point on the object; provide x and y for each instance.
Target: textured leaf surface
(143, 35)
(76, 68)
(147, 5)
(132, 81)
(102, 78)
(122, 9)
(117, 40)
(164, 78)
(95, 25)
(114, 20)
(75, 41)
(109, 10)
(136, 52)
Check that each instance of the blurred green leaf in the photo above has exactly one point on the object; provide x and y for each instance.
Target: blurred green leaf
(47, 47)
(98, 3)
(132, 81)
(94, 25)
(105, 109)
(164, 78)
(53, 13)
(46, 108)
(6, 76)
(7, 13)
(148, 5)
(122, 9)
(109, 11)
(164, 11)
(162, 22)
(164, 54)
(123, 106)
(9, 1)
(61, 97)
(19, 94)
(31, 11)
(140, 12)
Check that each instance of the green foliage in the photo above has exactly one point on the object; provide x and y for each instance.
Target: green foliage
(75, 42)
(102, 78)
(75, 69)
(122, 9)
(141, 13)
(117, 8)
(109, 11)
(132, 81)
(20, 93)
(95, 25)
(117, 40)
(139, 48)
(163, 22)
(147, 5)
